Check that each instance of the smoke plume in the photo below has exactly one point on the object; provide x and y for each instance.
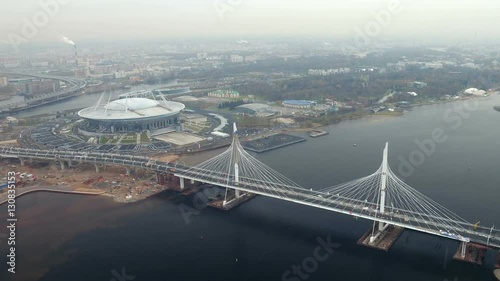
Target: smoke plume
(67, 40)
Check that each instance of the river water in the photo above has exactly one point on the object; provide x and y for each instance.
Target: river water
(66, 237)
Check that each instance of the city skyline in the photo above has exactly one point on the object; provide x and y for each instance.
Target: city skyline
(424, 20)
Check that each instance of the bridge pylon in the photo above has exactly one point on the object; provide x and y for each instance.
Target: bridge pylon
(381, 227)
(383, 234)
(240, 174)
(383, 183)
(234, 167)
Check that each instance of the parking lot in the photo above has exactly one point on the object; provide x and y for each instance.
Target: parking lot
(47, 136)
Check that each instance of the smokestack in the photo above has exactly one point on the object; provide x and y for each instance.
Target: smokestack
(76, 57)
(71, 42)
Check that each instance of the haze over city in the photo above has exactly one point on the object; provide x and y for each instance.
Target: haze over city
(249, 140)
(419, 20)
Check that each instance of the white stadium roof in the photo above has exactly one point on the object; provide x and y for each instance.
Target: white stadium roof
(131, 108)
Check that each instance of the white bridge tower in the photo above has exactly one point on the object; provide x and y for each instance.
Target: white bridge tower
(234, 173)
(383, 190)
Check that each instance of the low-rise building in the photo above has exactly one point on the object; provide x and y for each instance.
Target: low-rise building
(224, 94)
(9, 121)
(236, 58)
(4, 81)
(257, 109)
(300, 104)
(475, 92)
(417, 84)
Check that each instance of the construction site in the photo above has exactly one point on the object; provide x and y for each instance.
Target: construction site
(111, 180)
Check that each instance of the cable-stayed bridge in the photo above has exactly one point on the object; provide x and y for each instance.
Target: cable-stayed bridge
(380, 197)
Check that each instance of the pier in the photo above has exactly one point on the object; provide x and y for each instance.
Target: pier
(318, 133)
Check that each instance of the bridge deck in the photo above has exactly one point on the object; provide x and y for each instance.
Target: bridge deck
(331, 202)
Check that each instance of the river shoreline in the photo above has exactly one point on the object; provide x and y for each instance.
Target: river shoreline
(194, 156)
(64, 234)
(50, 189)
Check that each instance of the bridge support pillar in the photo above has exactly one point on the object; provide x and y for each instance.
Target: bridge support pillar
(128, 171)
(22, 162)
(237, 193)
(96, 168)
(161, 178)
(381, 240)
(63, 166)
(381, 226)
(192, 181)
(376, 234)
(181, 183)
(463, 249)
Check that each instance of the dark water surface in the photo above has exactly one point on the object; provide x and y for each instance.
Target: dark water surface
(65, 237)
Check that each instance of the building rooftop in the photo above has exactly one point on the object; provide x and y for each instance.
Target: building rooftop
(298, 102)
(257, 107)
(131, 108)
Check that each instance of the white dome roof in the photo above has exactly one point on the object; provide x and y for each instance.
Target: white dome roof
(132, 104)
(471, 91)
(138, 108)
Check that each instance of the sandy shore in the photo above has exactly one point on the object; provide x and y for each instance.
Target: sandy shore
(9, 143)
(167, 158)
(82, 179)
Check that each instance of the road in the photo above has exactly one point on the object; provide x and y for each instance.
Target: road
(76, 86)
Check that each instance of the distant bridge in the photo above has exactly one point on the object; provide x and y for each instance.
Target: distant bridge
(76, 86)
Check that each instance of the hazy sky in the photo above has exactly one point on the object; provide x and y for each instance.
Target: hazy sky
(146, 19)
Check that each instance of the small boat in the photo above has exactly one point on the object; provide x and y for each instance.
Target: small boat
(354, 145)
(236, 259)
(201, 237)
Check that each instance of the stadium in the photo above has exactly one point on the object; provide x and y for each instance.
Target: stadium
(133, 114)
